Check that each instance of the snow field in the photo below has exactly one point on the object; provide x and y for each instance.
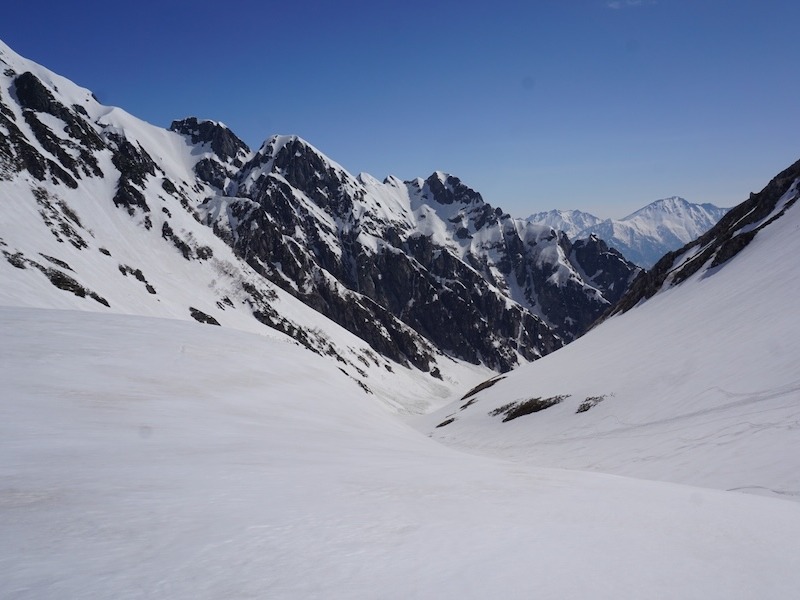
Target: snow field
(150, 458)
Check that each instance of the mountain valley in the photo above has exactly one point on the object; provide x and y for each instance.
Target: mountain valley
(237, 373)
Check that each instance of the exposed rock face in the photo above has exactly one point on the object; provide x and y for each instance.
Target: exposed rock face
(429, 253)
(221, 140)
(721, 243)
(603, 267)
(531, 264)
(223, 154)
(72, 153)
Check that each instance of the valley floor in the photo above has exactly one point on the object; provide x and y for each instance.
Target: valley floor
(147, 458)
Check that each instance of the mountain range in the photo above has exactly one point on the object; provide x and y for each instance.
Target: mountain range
(643, 236)
(120, 215)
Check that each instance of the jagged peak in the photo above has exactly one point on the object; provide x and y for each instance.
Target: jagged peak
(193, 124)
(275, 144)
(444, 188)
(223, 142)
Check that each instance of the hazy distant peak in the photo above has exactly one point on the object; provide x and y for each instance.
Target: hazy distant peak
(570, 222)
(646, 234)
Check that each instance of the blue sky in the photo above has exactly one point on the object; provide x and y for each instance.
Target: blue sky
(593, 104)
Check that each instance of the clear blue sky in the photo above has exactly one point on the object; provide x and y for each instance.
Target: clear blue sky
(593, 104)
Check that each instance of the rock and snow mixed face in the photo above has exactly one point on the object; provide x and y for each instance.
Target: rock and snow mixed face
(101, 213)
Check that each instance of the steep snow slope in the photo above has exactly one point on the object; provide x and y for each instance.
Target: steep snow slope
(697, 384)
(161, 459)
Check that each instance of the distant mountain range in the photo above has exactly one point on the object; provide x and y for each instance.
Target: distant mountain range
(644, 236)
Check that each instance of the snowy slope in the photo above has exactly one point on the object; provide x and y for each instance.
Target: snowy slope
(697, 384)
(164, 459)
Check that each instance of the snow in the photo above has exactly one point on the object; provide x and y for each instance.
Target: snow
(168, 459)
(115, 240)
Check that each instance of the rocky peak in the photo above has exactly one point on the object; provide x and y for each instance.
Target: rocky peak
(603, 267)
(305, 169)
(456, 202)
(223, 154)
(419, 270)
(447, 189)
(222, 141)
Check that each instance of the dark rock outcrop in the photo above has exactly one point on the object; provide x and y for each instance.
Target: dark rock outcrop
(604, 267)
(308, 226)
(221, 140)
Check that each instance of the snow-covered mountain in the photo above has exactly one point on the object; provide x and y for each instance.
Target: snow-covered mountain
(646, 235)
(112, 214)
(693, 379)
(643, 236)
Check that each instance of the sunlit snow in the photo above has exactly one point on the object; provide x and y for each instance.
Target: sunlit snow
(146, 458)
